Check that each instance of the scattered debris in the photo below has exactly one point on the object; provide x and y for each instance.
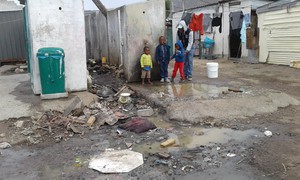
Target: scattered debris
(18, 70)
(268, 133)
(91, 121)
(207, 159)
(145, 112)
(124, 98)
(116, 161)
(74, 129)
(4, 145)
(79, 162)
(231, 155)
(76, 104)
(199, 133)
(158, 162)
(138, 125)
(27, 132)
(169, 142)
(2, 135)
(19, 124)
(104, 91)
(163, 155)
(129, 145)
(187, 168)
(236, 90)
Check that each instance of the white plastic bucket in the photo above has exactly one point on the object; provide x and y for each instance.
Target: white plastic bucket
(212, 70)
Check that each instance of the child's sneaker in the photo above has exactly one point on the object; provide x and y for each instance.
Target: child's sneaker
(172, 80)
(181, 81)
(162, 80)
(189, 79)
(167, 80)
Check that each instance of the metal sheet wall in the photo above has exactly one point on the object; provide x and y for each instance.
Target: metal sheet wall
(283, 38)
(12, 36)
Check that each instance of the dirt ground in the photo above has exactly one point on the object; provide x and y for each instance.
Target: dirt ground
(202, 150)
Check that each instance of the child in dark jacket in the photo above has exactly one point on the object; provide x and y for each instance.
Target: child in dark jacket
(179, 61)
(162, 57)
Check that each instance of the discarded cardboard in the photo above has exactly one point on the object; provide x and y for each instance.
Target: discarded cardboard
(116, 161)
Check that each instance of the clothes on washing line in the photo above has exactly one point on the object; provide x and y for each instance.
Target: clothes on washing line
(243, 32)
(207, 20)
(197, 23)
(187, 17)
(236, 20)
(217, 21)
(247, 19)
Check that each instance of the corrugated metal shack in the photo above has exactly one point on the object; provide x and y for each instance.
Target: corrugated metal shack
(279, 25)
(12, 35)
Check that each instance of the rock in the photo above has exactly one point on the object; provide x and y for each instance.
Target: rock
(207, 159)
(138, 141)
(2, 135)
(19, 124)
(74, 129)
(164, 155)
(169, 142)
(4, 145)
(91, 121)
(18, 70)
(268, 133)
(128, 144)
(187, 156)
(77, 112)
(105, 92)
(160, 139)
(145, 112)
(170, 172)
(199, 133)
(27, 132)
(77, 103)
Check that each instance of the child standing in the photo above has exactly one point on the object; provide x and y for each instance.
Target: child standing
(179, 61)
(162, 57)
(146, 65)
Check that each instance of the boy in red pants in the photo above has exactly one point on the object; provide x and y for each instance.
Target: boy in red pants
(179, 61)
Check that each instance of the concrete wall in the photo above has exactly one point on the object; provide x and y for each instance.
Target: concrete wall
(129, 28)
(59, 23)
(145, 23)
(96, 35)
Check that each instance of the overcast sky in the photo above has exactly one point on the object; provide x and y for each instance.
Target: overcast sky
(109, 4)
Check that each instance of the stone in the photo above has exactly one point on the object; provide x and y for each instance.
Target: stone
(199, 133)
(160, 139)
(4, 145)
(207, 159)
(128, 144)
(163, 155)
(2, 135)
(27, 132)
(19, 124)
(77, 103)
(18, 70)
(145, 112)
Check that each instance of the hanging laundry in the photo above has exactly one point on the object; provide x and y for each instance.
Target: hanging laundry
(247, 19)
(187, 18)
(236, 20)
(197, 23)
(243, 32)
(207, 20)
(217, 21)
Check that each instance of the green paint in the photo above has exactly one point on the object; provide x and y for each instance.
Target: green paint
(52, 70)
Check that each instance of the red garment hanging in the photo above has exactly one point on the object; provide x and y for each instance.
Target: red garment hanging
(197, 23)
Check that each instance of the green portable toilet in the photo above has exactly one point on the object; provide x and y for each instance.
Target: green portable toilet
(52, 72)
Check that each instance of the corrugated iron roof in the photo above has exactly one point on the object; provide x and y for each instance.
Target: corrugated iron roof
(277, 6)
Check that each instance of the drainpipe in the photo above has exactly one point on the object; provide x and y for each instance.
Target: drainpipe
(101, 7)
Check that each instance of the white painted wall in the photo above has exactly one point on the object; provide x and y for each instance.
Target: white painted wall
(10, 5)
(65, 28)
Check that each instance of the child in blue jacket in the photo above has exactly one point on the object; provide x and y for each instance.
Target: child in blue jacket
(179, 61)
(162, 57)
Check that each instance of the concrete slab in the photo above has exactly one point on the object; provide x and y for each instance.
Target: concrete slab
(18, 100)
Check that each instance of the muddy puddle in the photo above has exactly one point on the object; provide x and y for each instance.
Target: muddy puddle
(191, 137)
(190, 90)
